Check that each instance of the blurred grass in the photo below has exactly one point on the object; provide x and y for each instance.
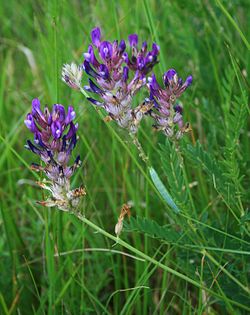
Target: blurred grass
(204, 38)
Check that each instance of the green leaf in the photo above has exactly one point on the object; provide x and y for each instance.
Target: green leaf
(215, 170)
(245, 218)
(237, 118)
(152, 229)
(173, 168)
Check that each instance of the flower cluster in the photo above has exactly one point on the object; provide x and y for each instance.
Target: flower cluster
(109, 65)
(118, 72)
(166, 113)
(54, 139)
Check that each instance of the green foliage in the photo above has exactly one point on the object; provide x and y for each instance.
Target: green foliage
(152, 229)
(227, 81)
(51, 263)
(173, 166)
(237, 119)
(214, 169)
(236, 115)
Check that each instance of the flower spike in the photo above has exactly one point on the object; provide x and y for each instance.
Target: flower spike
(55, 138)
(166, 113)
(111, 72)
(116, 76)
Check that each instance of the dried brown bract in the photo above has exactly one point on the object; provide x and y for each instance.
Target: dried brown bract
(125, 210)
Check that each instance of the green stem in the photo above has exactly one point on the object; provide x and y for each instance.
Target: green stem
(134, 250)
(138, 145)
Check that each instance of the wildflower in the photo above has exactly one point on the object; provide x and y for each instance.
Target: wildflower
(72, 75)
(119, 226)
(54, 140)
(109, 66)
(166, 112)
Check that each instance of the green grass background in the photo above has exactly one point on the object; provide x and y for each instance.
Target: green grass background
(207, 39)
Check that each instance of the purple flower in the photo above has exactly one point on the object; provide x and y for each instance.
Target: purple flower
(54, 140)
(167, 114)
(36, 110)
(30, 124)
(122, 46)
(141, 59)
(117, 75)
(133, 40)
(56, 129)
(106, 50)
(71, 115)
(96, 36)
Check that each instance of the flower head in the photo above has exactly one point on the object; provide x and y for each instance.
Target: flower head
(54, 140)
(166, 112)
(116, 76)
